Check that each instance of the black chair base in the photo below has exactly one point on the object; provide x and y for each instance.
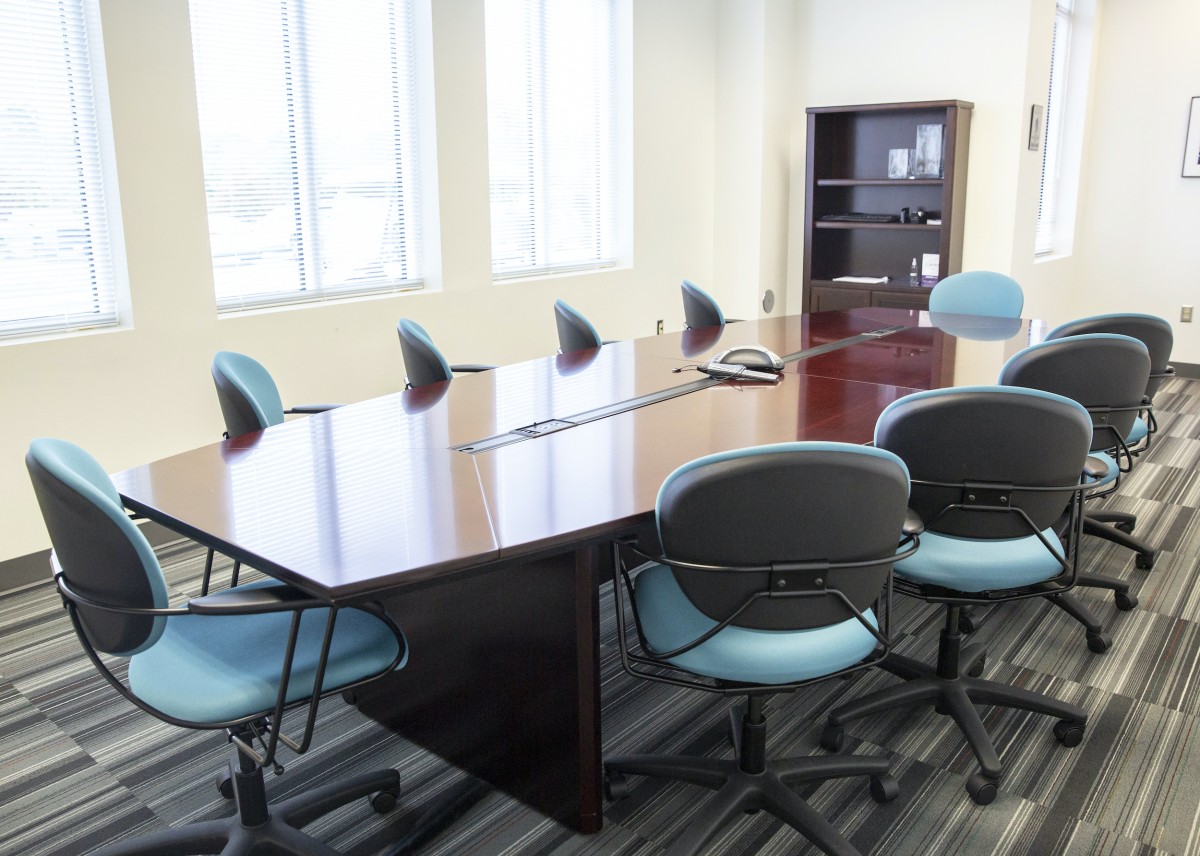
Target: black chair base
(954, 688)
(1119, 532)
(750, 782)
(1098, 639)
(259, 828)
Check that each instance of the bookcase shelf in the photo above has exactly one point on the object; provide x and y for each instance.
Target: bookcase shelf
(847, 152)
(844, 224)
(878, 182)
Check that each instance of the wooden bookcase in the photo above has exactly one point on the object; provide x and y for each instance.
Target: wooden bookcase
(846, 171)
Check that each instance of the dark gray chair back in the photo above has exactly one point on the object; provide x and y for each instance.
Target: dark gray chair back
(791, 502)
(575, 333)
(423, 362)
(699, 308)
(247, 393)
(1153, 332)
(1099, 370)
(102, 554)
(982, 442)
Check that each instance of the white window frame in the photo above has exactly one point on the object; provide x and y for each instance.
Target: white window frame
(530, 247)
(313, 217)
(99, 252)
(1062, 144)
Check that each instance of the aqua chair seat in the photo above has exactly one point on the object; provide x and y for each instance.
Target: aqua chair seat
(969, 565)
(746, 655)
(208, 668)
(1138, 433)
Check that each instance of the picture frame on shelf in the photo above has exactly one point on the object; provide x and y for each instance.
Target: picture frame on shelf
(1191, 143)
(899, 163)
(930, 264)
(1036, 131)
(930, 140)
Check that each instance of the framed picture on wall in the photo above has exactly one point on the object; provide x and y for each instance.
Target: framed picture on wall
(1191, 148)
(1035, 127)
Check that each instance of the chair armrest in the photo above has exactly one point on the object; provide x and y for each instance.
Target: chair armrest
(913, 524)
(278, 597)
(471, 367)
(1095, 468)
(312, 408)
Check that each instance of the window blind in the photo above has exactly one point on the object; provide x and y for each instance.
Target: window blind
(551, 84)
(309, 133)
(1052, 143)
(56, 257)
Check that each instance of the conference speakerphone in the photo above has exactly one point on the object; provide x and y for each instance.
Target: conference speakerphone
(733, 371)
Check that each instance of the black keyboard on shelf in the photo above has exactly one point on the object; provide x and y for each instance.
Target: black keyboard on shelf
(858, 217)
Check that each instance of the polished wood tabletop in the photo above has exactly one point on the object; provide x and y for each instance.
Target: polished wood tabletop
(373, 495)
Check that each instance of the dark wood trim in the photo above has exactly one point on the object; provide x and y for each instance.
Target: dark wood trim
(923, 105)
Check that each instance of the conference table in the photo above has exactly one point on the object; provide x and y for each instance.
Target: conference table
(478, 511)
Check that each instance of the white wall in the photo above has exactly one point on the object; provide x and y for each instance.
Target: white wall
(755, 55)
(138, 394)
(1138, 237)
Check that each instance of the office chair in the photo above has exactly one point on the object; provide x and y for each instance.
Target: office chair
(1156, 334)
(250, 401)
(978, 292)
(993, 469)
(1107, 374)
(1158, 337)
(699, 308)
(575, 333)
(237, 660)
(775, 561)
(423, 362)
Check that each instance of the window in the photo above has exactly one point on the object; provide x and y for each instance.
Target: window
(56, 250)
(1052, 145)
(308, 128)
(551, 82)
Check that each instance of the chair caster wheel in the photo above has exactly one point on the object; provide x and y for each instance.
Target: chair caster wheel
(884, 788)
(976, 670)
(350, 697)
(832, 737)
(383, 802)
(967, 623)
(1124, 526)
(224, 785)
(1125, 601)
(1098, 643)
(1145, 561)
(981, 789)
(1068, 733)
(616, 786)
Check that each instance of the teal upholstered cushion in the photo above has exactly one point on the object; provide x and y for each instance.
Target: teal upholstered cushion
(216, 668)
(669, 620)
(1138, 433)
(970, 565)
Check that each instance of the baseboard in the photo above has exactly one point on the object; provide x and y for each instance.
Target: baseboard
(1188, 370)
(34, 569)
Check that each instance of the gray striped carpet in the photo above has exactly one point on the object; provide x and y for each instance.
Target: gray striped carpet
(79, 766)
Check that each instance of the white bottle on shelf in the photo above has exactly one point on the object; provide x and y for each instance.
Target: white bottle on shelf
(914, 275)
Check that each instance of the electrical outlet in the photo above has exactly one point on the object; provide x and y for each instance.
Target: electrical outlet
(1185, 314)
(659, 327)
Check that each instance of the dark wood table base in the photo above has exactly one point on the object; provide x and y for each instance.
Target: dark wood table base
(503, 680)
